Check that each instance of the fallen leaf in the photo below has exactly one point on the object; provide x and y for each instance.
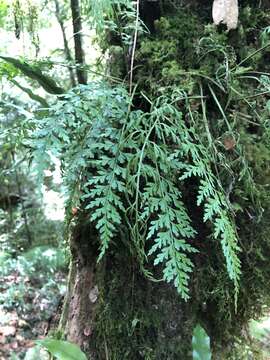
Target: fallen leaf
(23, 324)
(229, 143)
(14, 345)
(29, 344)
(2, 339)
(20, 338)
(8, 330)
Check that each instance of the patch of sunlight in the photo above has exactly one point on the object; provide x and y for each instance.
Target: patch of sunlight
(49, 253)
(260, 328)
(266, 323)
(53, 200)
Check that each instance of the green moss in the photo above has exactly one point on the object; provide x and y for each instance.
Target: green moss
(117, 64)
(170, 51)
(138, 319)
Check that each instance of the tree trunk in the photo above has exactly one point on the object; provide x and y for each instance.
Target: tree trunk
(78, 314)
(78, 43)
(112, 311)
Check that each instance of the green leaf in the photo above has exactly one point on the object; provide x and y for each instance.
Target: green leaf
(62, 350)
(200, 344)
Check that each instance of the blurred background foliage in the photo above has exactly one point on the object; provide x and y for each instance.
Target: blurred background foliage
(33, 255)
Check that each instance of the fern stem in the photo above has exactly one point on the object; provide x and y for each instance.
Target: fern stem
(134, 46)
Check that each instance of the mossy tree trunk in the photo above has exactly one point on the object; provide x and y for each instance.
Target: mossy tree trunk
(112, 311)
(79, 309)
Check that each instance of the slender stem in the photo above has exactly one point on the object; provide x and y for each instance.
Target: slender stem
(208, 133)
(252, 54)
(134, 46)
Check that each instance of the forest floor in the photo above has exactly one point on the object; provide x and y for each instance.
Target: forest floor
(31, 300)
(30, 305)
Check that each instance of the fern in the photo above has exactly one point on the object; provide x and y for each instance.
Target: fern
(169, 230)
(129, 168)
(216, 207)
(103, 192)
(161, 207)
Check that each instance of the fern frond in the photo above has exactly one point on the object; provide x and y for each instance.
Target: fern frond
(129, 168)
(170, 231)
(104, 198)
(216, 207)
(170, 227)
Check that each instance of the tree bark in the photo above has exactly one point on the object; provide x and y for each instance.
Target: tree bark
(24, 212)
(78, 313)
